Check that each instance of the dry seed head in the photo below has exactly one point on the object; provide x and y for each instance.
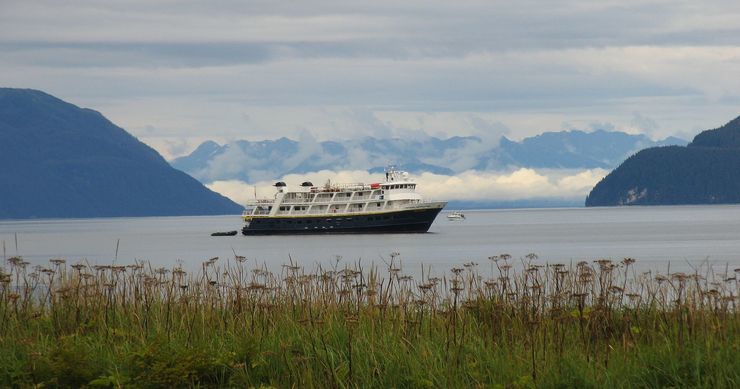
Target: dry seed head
(585, 278)
(712, 292)
(258, 272)
(292, 267)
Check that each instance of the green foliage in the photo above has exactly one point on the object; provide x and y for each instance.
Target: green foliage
(546, 326)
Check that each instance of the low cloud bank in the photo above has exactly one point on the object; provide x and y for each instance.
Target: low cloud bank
(469, 185)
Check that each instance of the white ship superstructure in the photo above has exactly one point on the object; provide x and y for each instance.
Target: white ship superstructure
(390, 206)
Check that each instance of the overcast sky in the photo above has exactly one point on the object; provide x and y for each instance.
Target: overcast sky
(175, 73)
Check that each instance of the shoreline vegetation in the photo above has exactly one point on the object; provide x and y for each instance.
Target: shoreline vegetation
(514, 323)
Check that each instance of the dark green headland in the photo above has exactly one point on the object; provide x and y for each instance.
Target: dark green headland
(707, 171)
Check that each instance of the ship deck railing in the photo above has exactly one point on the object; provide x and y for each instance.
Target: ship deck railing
(344, 186)
(330, 201)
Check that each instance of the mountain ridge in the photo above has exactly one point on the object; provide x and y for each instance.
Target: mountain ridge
(251, 161)
(706, 171)
(69, 161)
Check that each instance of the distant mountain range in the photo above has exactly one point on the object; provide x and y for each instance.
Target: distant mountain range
(707, 171)
(270, 159)
(59, 160)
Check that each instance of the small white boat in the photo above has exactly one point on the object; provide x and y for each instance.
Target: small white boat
(456, 215)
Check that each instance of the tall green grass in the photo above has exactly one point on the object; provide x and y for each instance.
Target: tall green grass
(507, 323)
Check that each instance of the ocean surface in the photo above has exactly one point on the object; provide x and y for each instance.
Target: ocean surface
(682, 236)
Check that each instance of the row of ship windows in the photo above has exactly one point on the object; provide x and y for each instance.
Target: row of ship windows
(349, 194)
(337, 220)
(328, 195)
(304, 207)
(401, 186)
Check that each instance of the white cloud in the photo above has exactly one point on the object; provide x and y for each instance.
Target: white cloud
(342, 69)
(470, 185)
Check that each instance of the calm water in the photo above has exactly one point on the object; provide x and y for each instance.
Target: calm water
(653, 235)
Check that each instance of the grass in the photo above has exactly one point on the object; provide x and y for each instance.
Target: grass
(517, 324)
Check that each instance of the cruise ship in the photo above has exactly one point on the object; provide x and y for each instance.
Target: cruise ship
(387, 207)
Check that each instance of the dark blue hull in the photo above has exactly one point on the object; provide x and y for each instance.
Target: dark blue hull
(407, 221)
